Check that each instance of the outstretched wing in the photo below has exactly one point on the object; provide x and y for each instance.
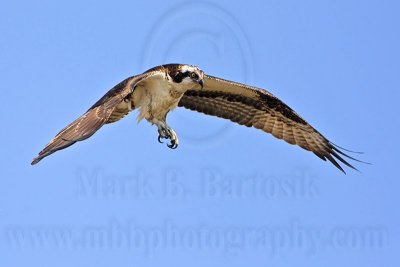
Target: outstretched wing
(114, 105)
(254, 107)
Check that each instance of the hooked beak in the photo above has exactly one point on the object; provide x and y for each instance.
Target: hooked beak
(201, 83)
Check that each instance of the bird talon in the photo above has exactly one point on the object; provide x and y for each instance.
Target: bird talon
(173, 145)
(165, 132)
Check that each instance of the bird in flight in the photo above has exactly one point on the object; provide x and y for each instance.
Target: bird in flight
(159, 90)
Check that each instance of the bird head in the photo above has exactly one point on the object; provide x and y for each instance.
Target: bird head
(188, 75)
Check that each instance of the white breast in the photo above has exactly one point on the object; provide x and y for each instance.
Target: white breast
(155, 97)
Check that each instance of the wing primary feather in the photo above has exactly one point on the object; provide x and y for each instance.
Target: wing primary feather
(347, 156)
(72, 133)
(356, 152)
(334, 162)
(336, 155)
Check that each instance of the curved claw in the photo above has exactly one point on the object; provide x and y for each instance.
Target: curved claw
(173, 145)
(165, 132)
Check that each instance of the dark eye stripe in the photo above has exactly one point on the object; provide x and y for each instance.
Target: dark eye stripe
(182, 75)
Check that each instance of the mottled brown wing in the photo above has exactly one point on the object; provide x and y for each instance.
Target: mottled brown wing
(111, 107)
(254, 107)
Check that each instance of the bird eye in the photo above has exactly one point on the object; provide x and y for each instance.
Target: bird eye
(193, 75)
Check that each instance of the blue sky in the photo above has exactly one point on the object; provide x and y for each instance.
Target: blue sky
(229, 195)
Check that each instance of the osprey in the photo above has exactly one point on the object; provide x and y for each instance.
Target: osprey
(161, 89)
